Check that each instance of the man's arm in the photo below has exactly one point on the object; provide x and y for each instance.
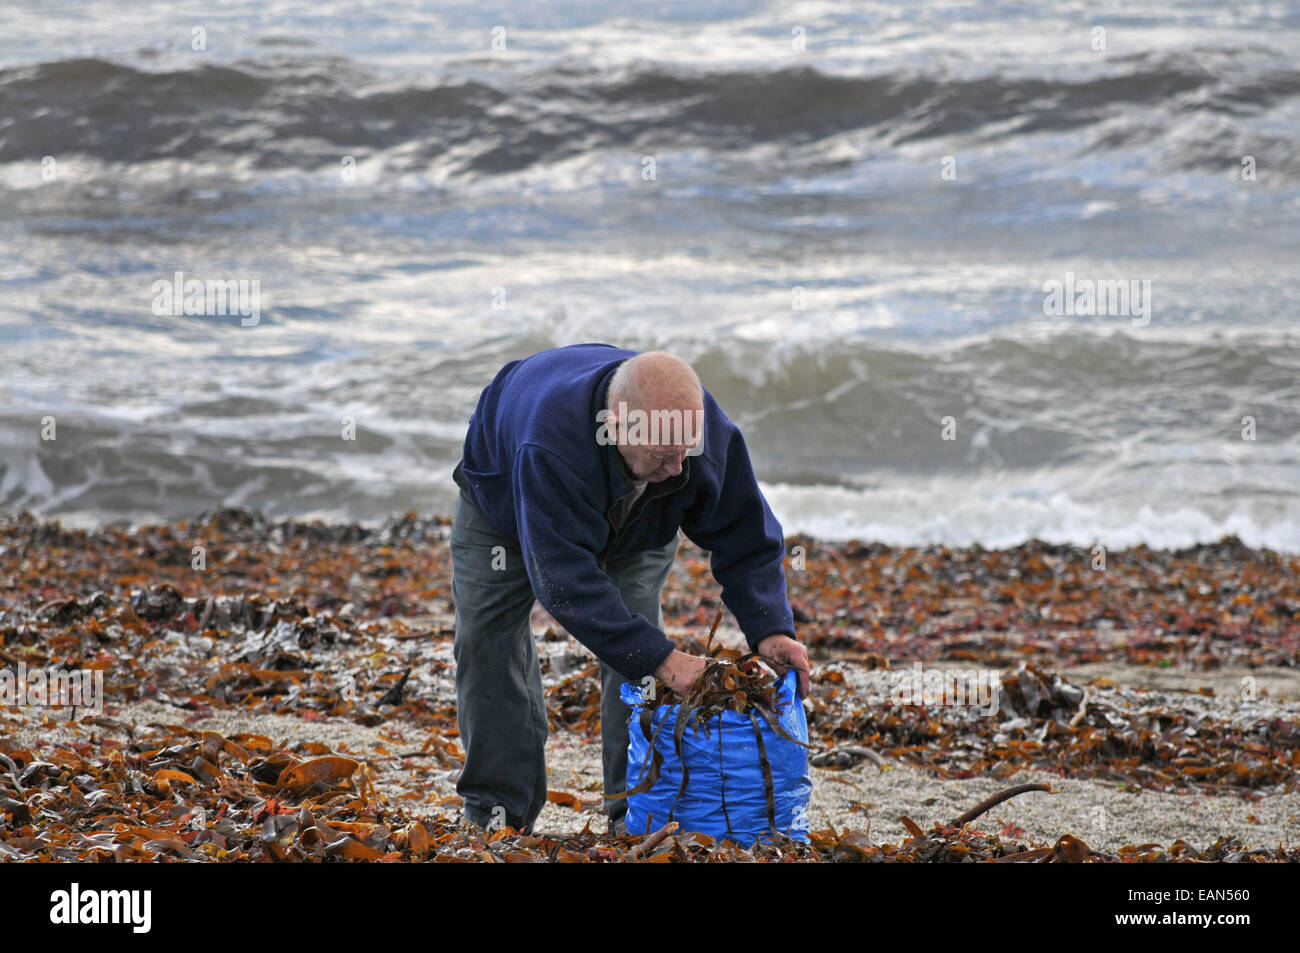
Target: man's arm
(561, 529)
(747, 552)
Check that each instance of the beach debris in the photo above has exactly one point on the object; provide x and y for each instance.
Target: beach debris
(845, 756)
(989, 803)
(313, 621)
(187, 794)
(394, 695)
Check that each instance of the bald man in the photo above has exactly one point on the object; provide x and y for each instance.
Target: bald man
(580, 466)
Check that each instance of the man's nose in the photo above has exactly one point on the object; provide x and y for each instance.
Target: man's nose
(674, 465)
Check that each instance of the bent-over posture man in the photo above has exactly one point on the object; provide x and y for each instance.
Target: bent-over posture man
(570, 496)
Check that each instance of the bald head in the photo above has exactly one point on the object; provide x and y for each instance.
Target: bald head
(655, 380)
(656, 388)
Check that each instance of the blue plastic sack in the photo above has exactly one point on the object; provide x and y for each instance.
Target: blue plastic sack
(725, 795)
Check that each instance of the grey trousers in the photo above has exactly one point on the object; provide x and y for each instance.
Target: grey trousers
(500, 709)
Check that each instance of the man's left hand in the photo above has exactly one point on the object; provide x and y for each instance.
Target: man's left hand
(782, 648)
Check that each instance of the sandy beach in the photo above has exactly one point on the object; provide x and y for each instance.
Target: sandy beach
(1157, 697)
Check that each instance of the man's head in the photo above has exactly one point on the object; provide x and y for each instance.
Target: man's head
(656, 413)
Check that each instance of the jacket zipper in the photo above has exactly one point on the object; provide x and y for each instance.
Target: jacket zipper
(635, 514)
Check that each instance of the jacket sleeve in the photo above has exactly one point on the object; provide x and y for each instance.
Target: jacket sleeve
(562, 527)
(746, 546)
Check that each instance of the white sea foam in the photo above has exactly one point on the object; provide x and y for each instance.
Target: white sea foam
(908, 515)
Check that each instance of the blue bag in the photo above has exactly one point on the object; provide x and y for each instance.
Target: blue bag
(726, 795)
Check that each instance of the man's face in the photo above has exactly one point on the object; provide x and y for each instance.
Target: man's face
(655, 460)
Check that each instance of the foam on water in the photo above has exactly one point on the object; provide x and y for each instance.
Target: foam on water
(953, 515)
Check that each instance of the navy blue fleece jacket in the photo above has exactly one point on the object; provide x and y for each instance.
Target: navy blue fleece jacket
(532, 465)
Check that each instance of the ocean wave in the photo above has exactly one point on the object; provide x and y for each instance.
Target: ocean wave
(1067, 437)
(291, 111)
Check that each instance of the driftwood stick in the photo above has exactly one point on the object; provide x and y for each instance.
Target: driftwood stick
(995, 800)
(652, 841)
(1083, 710)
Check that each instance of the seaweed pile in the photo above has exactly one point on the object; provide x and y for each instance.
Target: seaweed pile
(1166, 742)
(1198, 608)
(345, 624)
(177, 795)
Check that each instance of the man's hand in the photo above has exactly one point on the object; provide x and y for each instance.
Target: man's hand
(782, 648)
(679, 670)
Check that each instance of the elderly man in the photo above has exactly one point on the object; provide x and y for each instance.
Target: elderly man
(580, 465)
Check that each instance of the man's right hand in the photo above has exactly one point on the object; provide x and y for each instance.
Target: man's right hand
(679, 670)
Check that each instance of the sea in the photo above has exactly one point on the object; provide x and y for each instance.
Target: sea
(963, 272)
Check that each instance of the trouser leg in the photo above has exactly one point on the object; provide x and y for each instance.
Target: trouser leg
(500, 709)
(640, 579)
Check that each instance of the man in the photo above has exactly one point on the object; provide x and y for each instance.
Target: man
(567, 496)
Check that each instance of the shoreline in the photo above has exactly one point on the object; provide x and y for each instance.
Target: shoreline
(81, 522)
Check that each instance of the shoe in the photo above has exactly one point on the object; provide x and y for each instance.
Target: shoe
(467, 826)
